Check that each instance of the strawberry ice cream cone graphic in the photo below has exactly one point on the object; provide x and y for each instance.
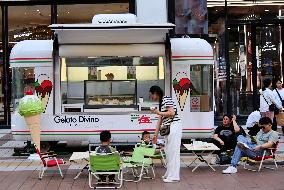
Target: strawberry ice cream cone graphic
(43, 91)
(181, 87)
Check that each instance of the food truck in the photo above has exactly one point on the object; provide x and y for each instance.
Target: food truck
(95, 77)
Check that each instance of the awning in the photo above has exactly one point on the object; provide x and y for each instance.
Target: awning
(193, 51)
(32, 53)
(111, 33)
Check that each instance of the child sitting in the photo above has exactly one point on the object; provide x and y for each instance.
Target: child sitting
(146, 140)
(104, 148)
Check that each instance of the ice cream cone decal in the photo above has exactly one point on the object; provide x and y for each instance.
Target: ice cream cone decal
(43, 91)
(30, 107)
(181, 87)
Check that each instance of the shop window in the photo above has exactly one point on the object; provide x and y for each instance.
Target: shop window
(201, 88)
(23, 80)
(85, 78)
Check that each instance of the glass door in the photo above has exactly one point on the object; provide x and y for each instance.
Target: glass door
(268, 61)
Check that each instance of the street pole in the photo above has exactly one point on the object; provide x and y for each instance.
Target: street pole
(227, 59)
(6, 73)
(254, 67)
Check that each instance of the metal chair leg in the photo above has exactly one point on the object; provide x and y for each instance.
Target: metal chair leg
(59, 169)
(90, 181)
(260, 165)
(42, 172)
(153, 171)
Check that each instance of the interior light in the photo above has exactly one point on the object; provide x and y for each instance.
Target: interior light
(266, 10)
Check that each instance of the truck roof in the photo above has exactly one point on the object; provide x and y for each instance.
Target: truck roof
(30, 53)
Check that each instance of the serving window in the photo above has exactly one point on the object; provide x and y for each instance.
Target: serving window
(201, 88)
(109, 82)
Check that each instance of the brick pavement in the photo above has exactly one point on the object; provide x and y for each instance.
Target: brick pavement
(20, 173)
(202, 179)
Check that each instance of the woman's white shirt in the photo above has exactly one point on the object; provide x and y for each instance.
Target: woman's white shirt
(269, 99)
(281, 93)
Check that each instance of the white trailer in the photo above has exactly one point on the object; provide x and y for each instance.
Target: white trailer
(71, 76)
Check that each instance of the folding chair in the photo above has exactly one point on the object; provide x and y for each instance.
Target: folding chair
(268, 153)
(138, 161)
(161, 156)
(49, 160)
(105, 164)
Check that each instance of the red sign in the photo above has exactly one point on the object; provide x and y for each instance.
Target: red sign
(144, 119)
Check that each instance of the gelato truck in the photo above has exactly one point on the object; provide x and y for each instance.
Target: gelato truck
(95, 77)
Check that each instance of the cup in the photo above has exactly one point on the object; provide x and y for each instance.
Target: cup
(141, 100)
(152, 108)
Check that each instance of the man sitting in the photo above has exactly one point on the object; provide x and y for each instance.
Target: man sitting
(265, 138)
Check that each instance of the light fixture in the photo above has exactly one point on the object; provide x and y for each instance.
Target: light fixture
(266, 10)
(37, 10)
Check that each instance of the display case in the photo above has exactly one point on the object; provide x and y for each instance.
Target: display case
(110, 94)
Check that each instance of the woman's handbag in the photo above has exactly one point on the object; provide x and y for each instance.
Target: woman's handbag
(166, 129)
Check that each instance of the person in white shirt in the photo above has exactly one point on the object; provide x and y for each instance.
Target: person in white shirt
(252, 123)
(267, 98)
(279, 94)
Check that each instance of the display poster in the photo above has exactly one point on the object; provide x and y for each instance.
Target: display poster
(191, 17)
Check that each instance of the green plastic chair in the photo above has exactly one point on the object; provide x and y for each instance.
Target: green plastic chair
(105, 164)
(161, 156)
(138, 161)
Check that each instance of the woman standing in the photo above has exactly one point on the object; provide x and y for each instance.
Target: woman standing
(279, 94)
(167, 113)
(267, 98)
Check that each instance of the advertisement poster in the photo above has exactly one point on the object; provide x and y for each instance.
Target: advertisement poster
(195, 104)
(191, 17)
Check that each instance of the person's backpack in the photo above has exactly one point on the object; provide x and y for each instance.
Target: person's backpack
(224, 158)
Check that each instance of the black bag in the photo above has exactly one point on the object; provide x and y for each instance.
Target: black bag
(272, 107)
(224, 158)
(166, 129)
